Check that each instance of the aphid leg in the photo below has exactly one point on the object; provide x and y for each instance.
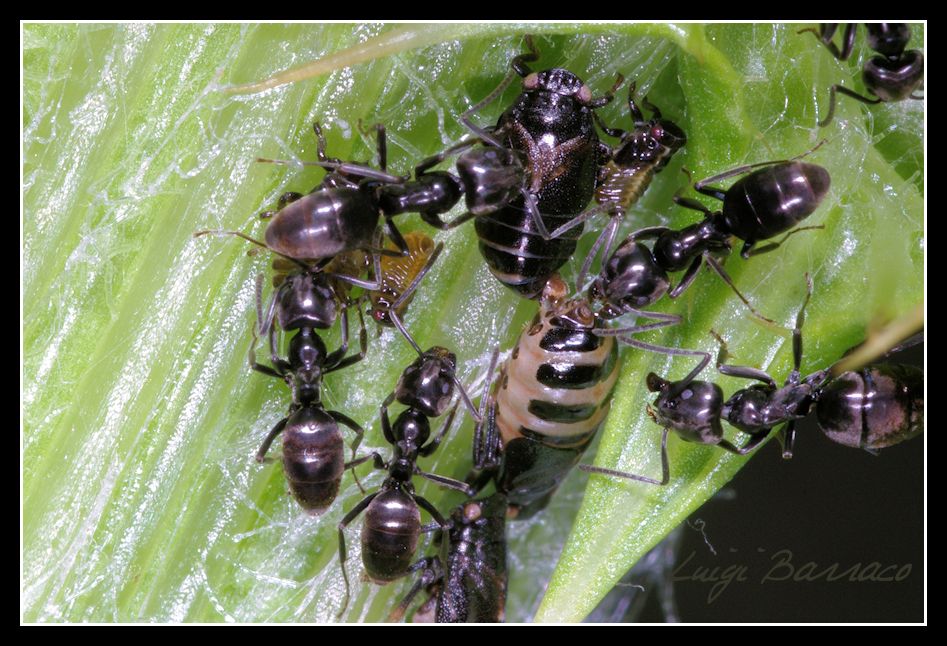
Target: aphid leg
(617, 133)
(609, 95)
(607, 236)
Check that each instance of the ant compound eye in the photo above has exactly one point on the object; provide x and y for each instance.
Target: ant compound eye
(584, 94)
(531, 82)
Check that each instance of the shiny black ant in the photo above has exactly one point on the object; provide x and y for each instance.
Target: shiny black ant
(768, 201)
(341, 214)
(313, 449)
(892, 76)
(466, 582)
(392, 516)
(871, 409)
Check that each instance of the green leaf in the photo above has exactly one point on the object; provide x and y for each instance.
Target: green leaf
(141, 498)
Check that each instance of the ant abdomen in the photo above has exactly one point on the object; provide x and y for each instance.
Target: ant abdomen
(774, 199)
(313, 458)
(390, 535)
(873, 408)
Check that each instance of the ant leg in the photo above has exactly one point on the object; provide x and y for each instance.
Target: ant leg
(430, 573)
(385, 421)
(747, 246)
(381, 145)
(432, 510)
(284, 199)
(607, 98)
(607, 236)
(577, 220)
(752, 444)
(265, 447)
(742, 372)
(844, 90)
(221, 232)
(431, 446)
(689, 276)
(787, 439)
(379, 464)
(436, 222)
(717, 267)
(444, 481)
(349, 517)
(797, 334)
(648, 233)
(362, 345)
(486, 446)
(334, 357)
(694, 205)
(434, 160)
(665, 468)
(344, 167)
(345, 420)
(678, 386)
(702, 185)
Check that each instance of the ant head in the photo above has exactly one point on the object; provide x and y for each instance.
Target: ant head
(491, 178)
(559, 81)
(630, 278)
(428, 383)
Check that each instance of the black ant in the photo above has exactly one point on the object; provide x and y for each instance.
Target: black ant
(313, 455)
(766, 202)
(392, 516)
(892, 76)
(871, 409)
(341, 214)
